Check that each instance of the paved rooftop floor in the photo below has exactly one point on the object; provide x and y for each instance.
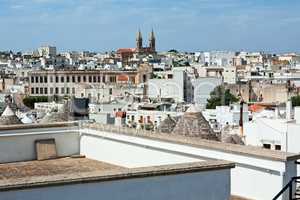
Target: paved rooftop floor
(52, 167)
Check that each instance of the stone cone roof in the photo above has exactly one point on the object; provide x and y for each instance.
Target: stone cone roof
(167, 125)
(195, 125)
(8, 112)
(232, 139)
(55, 117)
(9, 117)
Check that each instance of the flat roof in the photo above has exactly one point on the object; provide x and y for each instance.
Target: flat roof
(198, 142)
(33, 126)
(178, 139)
(62, 171)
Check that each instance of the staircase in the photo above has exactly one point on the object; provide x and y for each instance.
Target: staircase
(297, 193)
(292, 195)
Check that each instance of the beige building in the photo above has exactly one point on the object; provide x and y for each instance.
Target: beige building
(72, 83)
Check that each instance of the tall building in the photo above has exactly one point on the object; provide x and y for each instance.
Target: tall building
(139, 44)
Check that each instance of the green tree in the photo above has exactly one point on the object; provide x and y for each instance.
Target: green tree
(173, 51)
(220, 96)
(296, 100)
(30, 100)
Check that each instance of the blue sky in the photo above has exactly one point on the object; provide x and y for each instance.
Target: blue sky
(187, 25)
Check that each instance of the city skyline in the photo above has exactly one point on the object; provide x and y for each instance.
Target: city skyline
(184, 25)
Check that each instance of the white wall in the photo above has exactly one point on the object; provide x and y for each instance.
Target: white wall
(21, 147)
(254, 177)
(273, 131)
(206, 185)
(127, 155)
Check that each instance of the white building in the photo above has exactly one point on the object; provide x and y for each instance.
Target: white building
(175, 85)
(230, 75)
(226, 115)
(274, 133)
(47, 51)
(203, 86)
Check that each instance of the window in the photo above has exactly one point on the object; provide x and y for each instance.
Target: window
(36, 79)
(73, 79)
(32, 90)
(51, 90)
(103, 79)
(51, 79)
(84, 78)
(56, 79)
(110, 91)
(62, 79)
(94, 79)
(170, 76)
(41, 79)
(56, 90)
(73, 90)
(68, 90)
(267, 146)
(46, 90)
(90, 79)
(36, 90)
(62, 90)
(78, 79)
(46, 79)
(68, 79)
(32, 79)
(99, 79)
(41, 90)
(132, 79)
(112, 79)
(278, 147)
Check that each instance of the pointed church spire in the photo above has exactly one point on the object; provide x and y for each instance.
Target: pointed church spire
(139, 35)
(152, 35)
(152, 41)
(139, 40)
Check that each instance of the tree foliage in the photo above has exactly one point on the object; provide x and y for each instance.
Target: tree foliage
(220, 96)
(30, 100)
(173, 51)
(296, 101)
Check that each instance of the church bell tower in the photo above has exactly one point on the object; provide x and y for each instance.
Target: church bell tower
(139, 41)
(152, 41)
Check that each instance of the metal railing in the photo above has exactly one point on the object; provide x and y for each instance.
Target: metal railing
(289, 187)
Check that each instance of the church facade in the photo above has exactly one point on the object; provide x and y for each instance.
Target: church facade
(140, 49)
(127, 53)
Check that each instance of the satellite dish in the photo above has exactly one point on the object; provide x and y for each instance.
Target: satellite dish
(13, 91)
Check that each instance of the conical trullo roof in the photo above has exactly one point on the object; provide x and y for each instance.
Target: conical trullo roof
(167, 125)
(192, 123)
(9, 117)
(8, 112)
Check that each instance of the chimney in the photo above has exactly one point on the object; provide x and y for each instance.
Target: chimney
(277, 113)
(289, 110)
(241, 118)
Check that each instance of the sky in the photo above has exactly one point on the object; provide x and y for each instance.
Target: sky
(185, 25)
